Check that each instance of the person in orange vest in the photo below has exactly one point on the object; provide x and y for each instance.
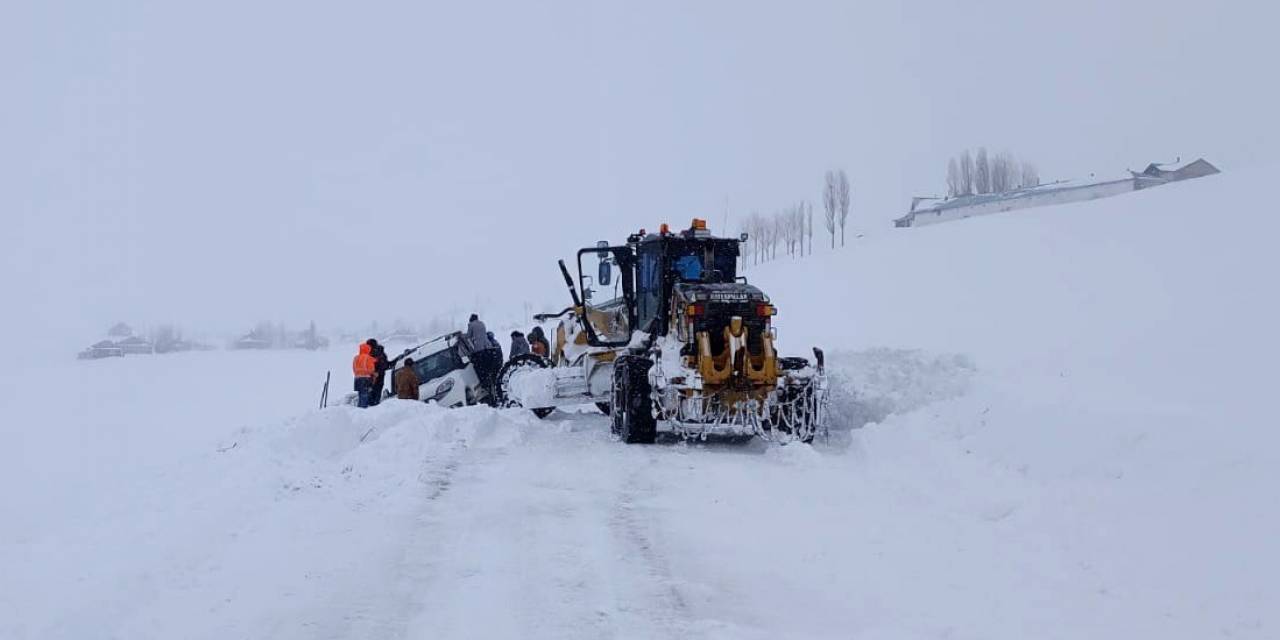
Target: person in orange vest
(365, 368)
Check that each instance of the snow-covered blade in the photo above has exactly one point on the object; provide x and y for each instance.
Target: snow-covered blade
(796, 410)
(797, 413)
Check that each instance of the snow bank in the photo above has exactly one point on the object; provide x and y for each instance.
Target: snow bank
(867, 386)
(137, 509)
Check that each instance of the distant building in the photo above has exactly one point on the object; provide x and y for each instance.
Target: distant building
(251, 342)
(101, 349)
(926, 210)
(406, 336)
(1156, 174)
(933, 210)
(133, 345)
(310, 342)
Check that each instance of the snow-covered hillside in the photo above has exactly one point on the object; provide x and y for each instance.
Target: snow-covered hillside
(1066, 431)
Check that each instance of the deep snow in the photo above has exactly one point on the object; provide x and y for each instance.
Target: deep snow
(1067, 434)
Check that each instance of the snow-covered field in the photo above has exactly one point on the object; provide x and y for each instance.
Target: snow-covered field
(1068, 434)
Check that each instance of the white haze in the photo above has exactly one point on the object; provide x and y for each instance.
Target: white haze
(216, 164)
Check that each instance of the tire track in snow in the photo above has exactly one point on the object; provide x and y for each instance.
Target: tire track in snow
(384, 610)
(632, 528)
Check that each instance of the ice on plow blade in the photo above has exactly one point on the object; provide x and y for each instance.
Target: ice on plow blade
(796, 412)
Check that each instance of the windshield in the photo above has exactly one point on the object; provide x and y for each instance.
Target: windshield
(601, 278)
(438, 364)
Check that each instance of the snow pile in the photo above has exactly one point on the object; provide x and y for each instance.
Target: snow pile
(867, 386)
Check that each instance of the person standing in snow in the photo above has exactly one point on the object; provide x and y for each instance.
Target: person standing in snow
(406, 381)
(381, 364)
(519, 346)
(483, 355)
(498, 359)
(476, 335)
(538, 344)
(364, 367)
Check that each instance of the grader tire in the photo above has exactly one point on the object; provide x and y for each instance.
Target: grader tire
(632, 407)
(527, 360)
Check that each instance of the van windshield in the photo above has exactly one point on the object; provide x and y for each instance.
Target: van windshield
(438, 364)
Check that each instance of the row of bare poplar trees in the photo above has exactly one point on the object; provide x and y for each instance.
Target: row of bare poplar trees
(967, 174)
(790, 227)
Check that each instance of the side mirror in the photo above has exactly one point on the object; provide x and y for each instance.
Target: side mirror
(605, 276)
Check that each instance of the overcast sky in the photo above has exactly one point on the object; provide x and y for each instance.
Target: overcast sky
(218, 163)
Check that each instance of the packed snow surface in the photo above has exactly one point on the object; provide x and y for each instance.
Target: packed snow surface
(1056, 423)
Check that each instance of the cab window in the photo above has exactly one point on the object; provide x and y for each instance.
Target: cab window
(649, 287)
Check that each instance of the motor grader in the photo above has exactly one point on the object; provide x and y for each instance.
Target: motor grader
(665, 336)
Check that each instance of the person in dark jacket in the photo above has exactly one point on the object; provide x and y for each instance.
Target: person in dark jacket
(485, 356)
(538, 344)
(381, 364)
(406, 381)
(519, 346)
(494, 341)
(477, 335)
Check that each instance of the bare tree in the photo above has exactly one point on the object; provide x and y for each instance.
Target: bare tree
(784, 230)
(953, 178)
(804, 227)
(786, 222)
(796, 231)
(982, 172)
(808, 206)
(842, 200)
(755, 234)
(766, 237)
(795, 218)
(775, 233)
(966, 174)
(747, 226)
(1001, 173)
(830, 203)
(1030, 175)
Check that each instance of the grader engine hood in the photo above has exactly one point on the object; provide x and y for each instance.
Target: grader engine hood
(728, 325)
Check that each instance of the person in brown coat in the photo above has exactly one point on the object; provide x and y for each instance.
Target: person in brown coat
(406, 381)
